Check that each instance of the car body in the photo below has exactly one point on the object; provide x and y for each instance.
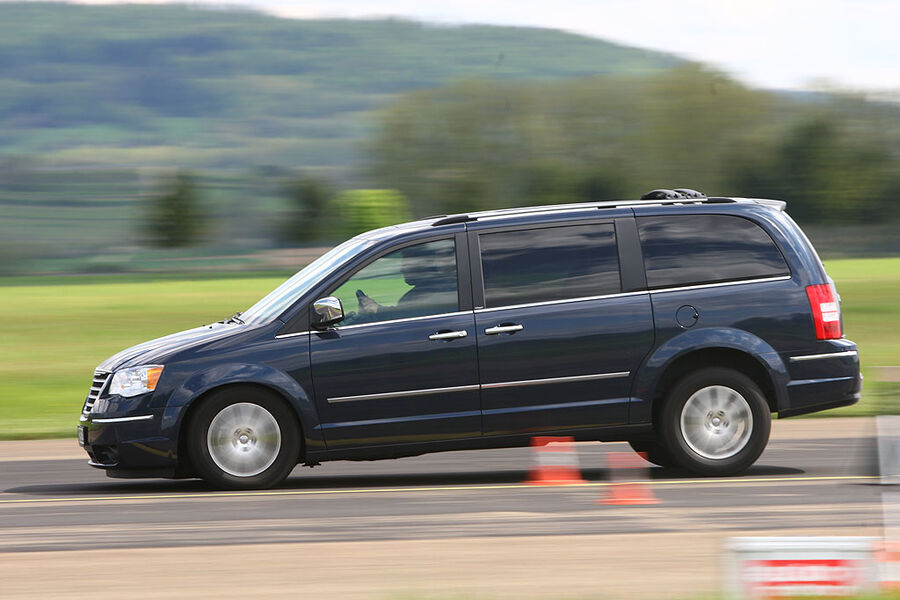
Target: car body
(577, 320)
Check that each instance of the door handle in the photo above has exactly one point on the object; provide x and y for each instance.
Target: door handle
(504, 329)
(448, 335)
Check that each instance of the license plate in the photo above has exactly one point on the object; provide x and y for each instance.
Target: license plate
(82, 435)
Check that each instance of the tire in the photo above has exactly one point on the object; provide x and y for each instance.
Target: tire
(654, 452)
(715, 422)
(242, 438)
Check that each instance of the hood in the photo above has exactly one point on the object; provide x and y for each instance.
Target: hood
(155, 351)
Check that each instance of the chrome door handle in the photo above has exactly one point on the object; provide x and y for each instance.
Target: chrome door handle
(448, 335)
(503, 329)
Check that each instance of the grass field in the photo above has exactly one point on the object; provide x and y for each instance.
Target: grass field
(56, 330)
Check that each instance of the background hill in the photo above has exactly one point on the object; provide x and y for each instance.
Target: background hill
(230, 88)
(100, 105)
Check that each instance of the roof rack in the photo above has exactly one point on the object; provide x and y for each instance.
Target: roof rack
(664, 194)
(659, 197)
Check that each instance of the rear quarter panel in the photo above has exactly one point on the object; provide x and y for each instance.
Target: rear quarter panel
(769, 320)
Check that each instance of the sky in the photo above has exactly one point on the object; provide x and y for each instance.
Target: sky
(785, 44)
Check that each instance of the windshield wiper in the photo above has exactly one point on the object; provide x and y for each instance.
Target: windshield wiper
(236, 318)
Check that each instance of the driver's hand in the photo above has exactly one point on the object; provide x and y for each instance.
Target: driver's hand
(367, 306)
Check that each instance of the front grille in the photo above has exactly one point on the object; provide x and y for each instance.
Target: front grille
(98, 386)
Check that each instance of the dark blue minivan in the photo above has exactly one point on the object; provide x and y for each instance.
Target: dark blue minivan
(678, 323)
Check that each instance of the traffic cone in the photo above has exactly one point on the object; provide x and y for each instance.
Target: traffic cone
(557, 462)
(631, 492)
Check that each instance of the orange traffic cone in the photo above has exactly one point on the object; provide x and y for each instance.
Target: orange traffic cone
(557, 462)
(631, 492)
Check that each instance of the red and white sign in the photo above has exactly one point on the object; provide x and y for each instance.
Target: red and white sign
(789, 578)
(791, 567)
(888, 555)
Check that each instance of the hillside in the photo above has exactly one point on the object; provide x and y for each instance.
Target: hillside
(167, 85)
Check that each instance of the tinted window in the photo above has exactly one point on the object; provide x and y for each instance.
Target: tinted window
(280, 299)
(414, 281)
(692, 249)
(553, 263)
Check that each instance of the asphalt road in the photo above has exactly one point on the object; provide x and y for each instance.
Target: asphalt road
(817, 479)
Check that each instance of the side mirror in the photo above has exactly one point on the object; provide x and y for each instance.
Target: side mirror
(326, 311)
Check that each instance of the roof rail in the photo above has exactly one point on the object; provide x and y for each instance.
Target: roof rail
(714, 200)
(453, 219)
(664, 198)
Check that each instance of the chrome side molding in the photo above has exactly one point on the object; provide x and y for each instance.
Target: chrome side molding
(826, 355)
(524, 382)
(473, 387)
(122, 419)
(405, 393)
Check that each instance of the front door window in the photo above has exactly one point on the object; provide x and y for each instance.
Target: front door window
(414, 281)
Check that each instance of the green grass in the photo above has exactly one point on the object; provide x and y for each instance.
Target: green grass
(55, 333)
(869, 290)
(56, 330)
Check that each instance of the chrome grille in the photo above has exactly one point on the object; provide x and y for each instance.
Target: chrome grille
(98, 385)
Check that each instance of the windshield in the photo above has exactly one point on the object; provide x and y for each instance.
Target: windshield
(277, 301)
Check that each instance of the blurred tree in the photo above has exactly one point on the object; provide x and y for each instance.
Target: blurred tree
(805, 162)
(462, 192)
(599, 185)
(362, 210)
(490, 144)
(306, 221)
(175, 218)
(478, 144)
(826, 172)
(14, 258)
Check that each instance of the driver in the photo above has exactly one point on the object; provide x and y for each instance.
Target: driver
(432, 276)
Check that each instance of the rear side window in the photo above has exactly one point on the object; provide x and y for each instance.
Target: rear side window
(552, 263)
(694, 249)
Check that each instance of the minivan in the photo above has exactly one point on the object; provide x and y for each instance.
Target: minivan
(678, 323)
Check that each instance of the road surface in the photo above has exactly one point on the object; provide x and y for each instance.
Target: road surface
(460, 523)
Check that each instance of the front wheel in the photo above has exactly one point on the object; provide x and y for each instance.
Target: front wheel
(243, 438)
(715, 422)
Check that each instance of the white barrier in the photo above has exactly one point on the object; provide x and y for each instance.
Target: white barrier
(783, 567)
(888, 432)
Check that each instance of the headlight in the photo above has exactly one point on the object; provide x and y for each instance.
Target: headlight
(134, 381)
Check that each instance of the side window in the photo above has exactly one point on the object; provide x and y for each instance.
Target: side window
(551, 263)
(414, 281)
(693, 249)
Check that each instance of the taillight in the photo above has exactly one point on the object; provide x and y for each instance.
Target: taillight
(826, 311)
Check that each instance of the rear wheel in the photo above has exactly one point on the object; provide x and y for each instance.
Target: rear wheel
(243, 438)
(715, 422)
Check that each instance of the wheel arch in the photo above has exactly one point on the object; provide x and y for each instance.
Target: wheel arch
(730, 348)
(184, 401)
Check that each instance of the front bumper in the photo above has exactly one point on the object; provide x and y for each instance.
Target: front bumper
(128, 446)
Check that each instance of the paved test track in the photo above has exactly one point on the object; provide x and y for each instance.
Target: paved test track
(816, 479)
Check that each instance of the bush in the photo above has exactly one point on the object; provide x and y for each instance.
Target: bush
(174, 217)
(362, 210)
(14, 258)
(306, 220)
